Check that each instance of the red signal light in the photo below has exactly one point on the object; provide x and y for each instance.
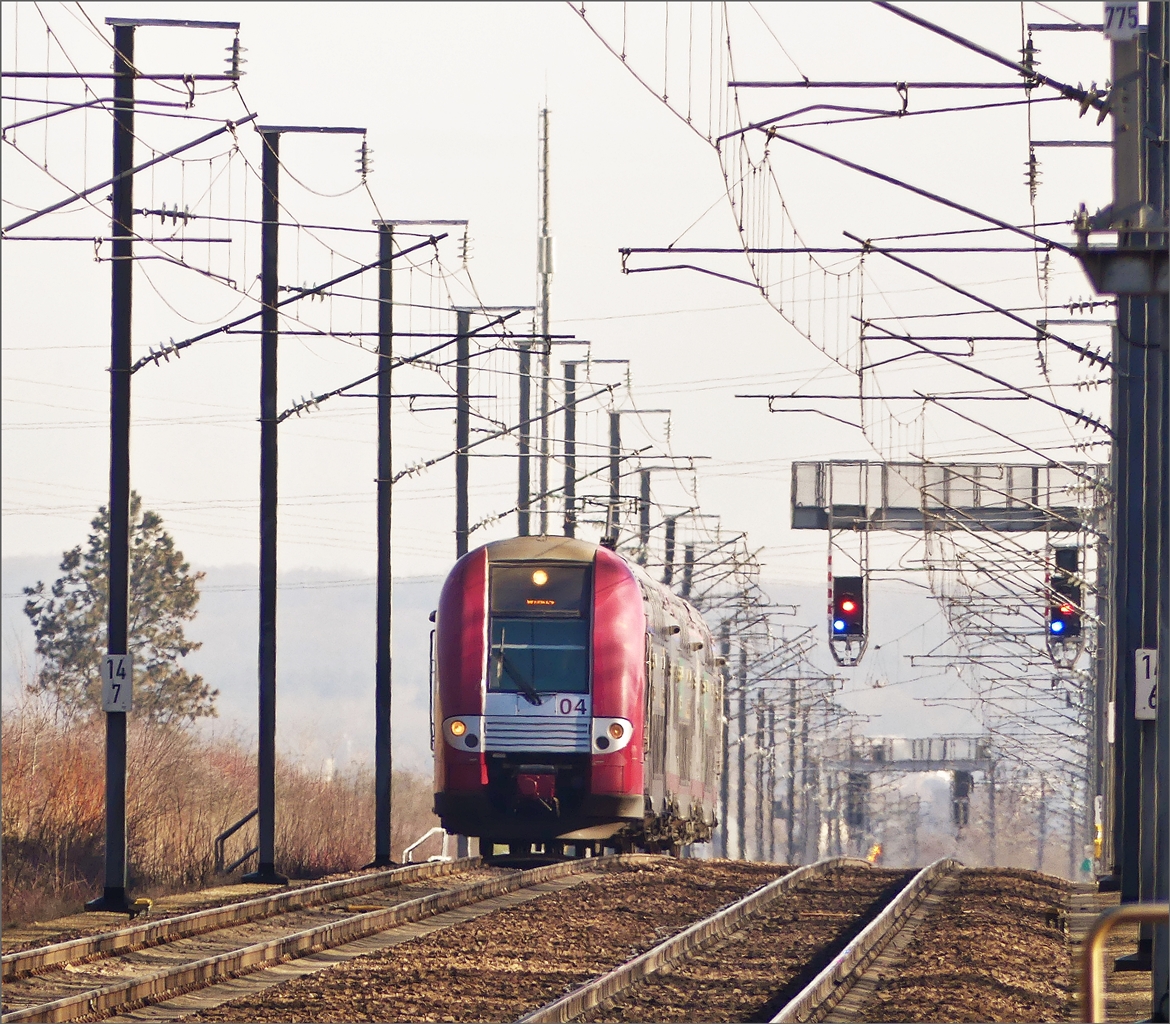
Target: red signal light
(1066, 609)
(848, 605)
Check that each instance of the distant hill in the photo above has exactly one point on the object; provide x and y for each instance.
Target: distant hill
(325, 684)
(325, 660)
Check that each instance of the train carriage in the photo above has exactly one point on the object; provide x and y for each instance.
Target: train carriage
(576, 701)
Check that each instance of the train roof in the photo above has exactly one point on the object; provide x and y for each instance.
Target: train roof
(559, 549)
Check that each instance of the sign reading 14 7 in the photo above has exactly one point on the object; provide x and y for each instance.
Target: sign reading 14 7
(117, 676)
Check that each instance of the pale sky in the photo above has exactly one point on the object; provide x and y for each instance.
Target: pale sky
(450, 94)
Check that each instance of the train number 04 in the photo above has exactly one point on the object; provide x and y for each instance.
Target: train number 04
(567, 706)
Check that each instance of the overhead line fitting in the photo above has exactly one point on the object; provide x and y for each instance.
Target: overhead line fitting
(228, 126)
(433, 240)
(1082, 351)
(925, 193)
(1078, 93)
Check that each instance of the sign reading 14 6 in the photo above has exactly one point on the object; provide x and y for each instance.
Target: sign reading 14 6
(117, 674)
(1146, 678)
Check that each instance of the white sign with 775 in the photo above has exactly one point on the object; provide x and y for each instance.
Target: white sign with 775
(1121, 22)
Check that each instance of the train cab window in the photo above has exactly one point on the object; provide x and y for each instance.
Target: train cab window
(535, 656)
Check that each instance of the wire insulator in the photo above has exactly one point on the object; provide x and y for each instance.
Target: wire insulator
(235, 60)
(364, 161)
(1029, 61)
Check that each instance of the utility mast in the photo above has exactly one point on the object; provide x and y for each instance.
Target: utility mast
(544, 267)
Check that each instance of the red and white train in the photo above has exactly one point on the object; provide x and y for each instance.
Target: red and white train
(576, 702)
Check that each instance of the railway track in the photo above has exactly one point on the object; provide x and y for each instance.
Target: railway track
(497, 965)
(97, 976)
(791, 951)
(484, 943)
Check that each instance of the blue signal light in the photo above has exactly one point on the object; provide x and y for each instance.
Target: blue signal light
(1056, 626)
(839, 625)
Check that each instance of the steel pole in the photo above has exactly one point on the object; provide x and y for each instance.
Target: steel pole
(644, 517)
(741, 796)
(668, 553)
(118, 612)
(724, 775)
(384, 649)
(546, 271)
(462, 428)
(524, 485)
(993, 851)
(760, 777)
(790, 822)
(570, 449)
(806, 803)
(462, 439)
(771, 803)
(1152, 943)
(1127, 464)
(1158, 100)
(269, 331)
(615, 474)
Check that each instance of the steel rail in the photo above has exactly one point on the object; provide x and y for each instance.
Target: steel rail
(680, 946)
(199, 973)
(152, 933)
(817, 999)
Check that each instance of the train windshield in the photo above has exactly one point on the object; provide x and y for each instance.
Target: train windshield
(540, 628)
(535, 656)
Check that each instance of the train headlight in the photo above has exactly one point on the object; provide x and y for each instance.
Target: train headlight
(612, 734)
(540, 577)
(458, 728)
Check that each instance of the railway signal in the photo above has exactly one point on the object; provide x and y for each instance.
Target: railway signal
(848, 628)
(1064, 615)
(1067, 595)
(1066, 599)
(848, 606)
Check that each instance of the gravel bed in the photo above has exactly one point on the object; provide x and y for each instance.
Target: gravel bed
(994, 950)
(752, 973)
(501, 966)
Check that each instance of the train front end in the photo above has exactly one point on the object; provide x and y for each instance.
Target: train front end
(539, 695)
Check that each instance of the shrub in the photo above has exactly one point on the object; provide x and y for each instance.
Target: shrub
(182, 791)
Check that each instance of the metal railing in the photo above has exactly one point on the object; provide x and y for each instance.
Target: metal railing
(1093, 954)
(409, 851)
(224, 836)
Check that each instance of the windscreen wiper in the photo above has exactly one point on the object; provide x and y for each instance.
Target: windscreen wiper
(531, 694)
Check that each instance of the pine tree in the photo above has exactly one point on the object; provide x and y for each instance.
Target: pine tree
(70, 624)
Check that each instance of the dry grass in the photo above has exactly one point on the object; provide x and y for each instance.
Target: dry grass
(182, 791)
